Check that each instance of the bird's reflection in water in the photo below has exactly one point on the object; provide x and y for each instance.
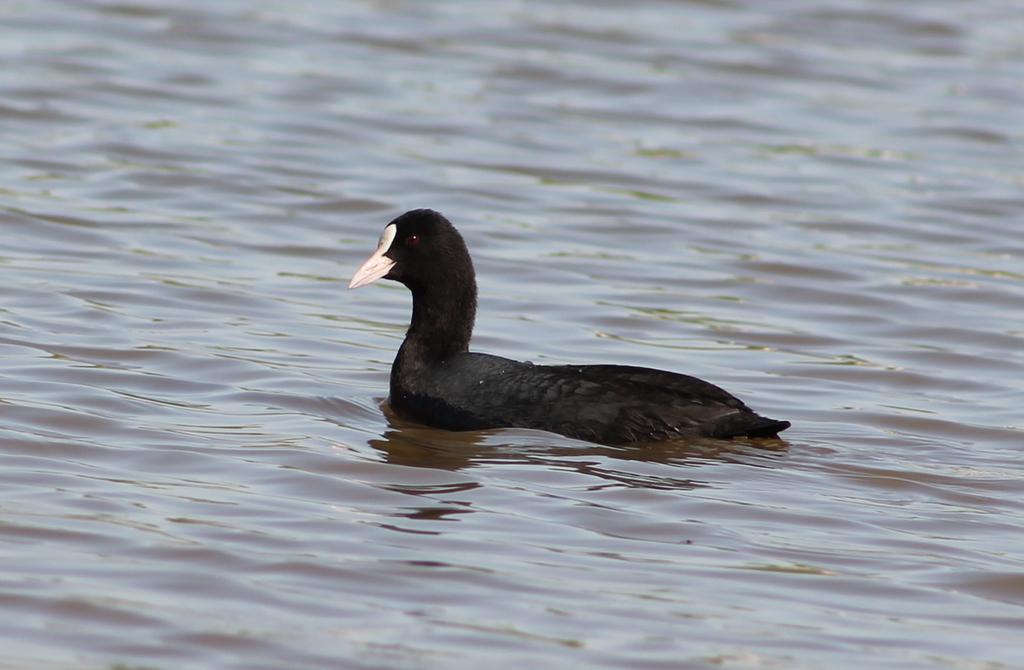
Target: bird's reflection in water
(414, 445)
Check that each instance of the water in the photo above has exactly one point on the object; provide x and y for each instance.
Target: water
(814, 205)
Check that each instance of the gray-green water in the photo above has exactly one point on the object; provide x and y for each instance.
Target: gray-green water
(817, 206)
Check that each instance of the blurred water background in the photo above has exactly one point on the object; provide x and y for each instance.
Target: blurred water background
(816, 205)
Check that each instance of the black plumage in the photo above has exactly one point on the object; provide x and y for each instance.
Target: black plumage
(436, 380)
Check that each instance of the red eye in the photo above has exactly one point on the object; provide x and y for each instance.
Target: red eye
(412, 240)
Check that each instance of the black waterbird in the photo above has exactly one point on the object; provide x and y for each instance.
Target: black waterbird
(436, 380)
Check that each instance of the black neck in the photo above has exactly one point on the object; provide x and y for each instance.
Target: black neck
(442, 318)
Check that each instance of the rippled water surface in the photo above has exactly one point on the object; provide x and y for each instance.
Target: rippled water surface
(815, 205)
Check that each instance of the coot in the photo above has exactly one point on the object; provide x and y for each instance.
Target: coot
(436, 380)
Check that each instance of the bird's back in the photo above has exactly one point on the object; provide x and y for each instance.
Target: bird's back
(611, 404)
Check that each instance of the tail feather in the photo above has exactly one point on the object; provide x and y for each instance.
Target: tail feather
(744, 424)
